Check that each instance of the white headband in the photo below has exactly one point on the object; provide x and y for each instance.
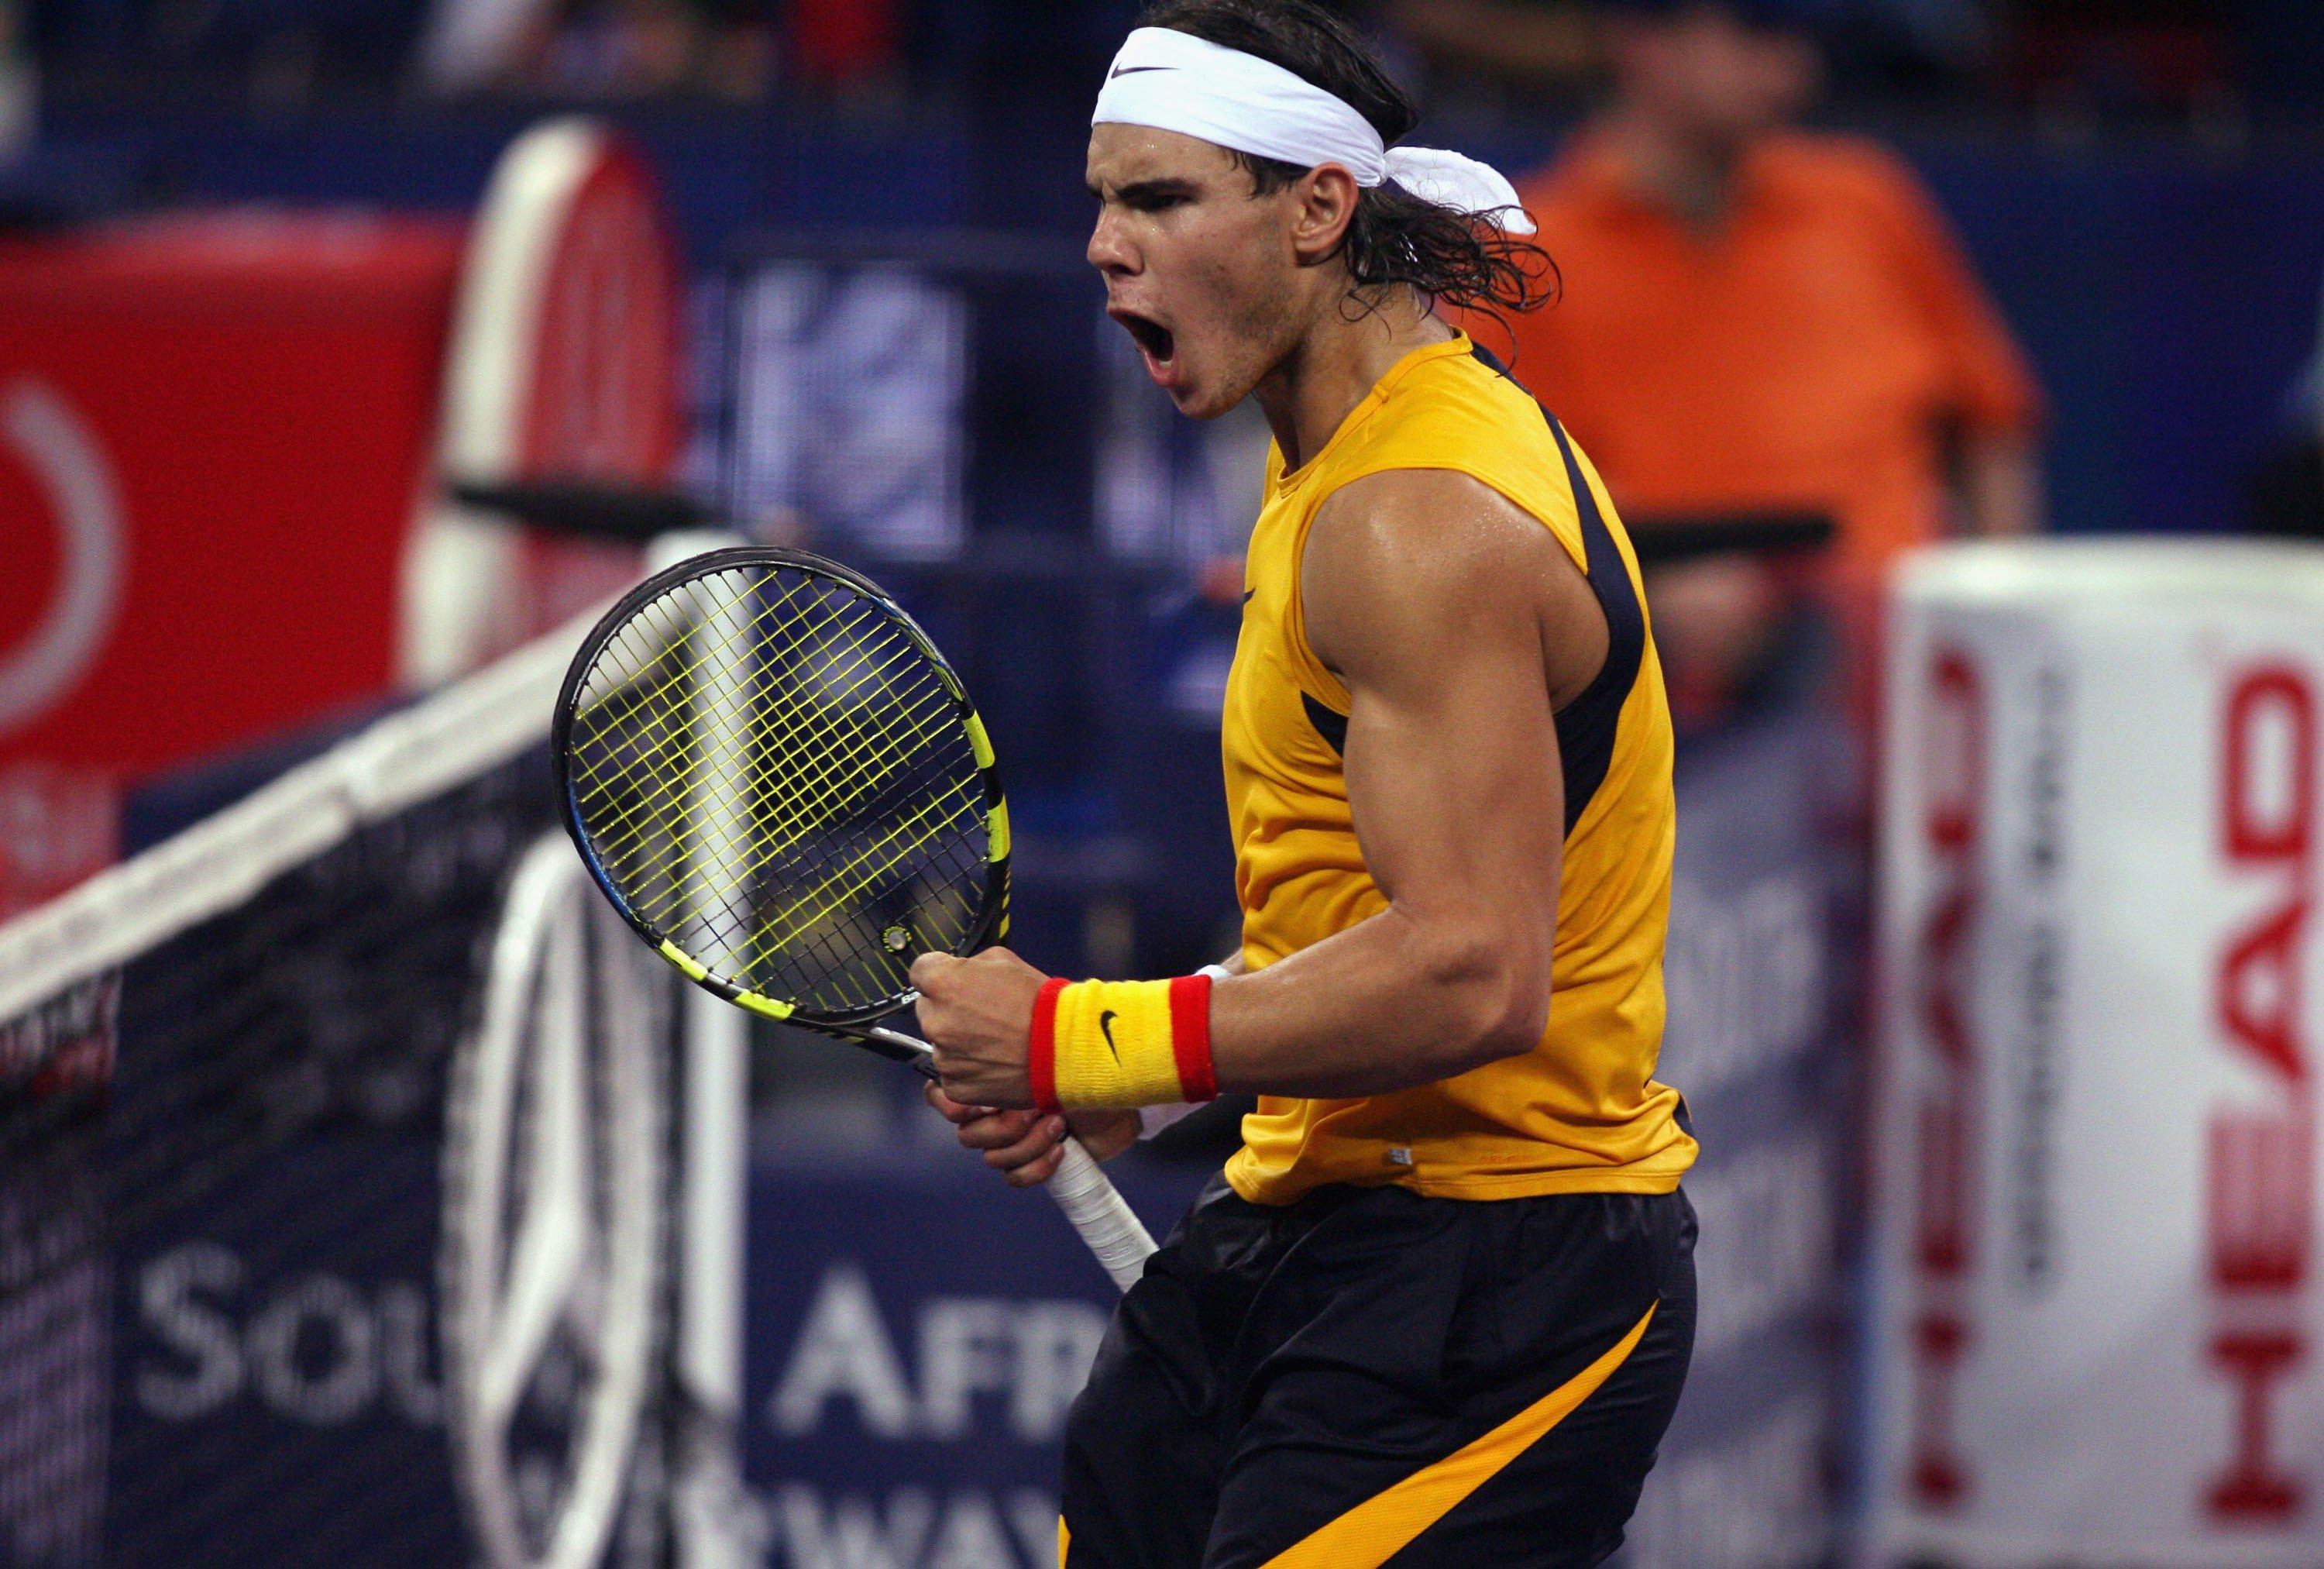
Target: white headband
(1173, 81)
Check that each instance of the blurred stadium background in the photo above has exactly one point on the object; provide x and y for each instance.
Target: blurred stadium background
(364, 1198)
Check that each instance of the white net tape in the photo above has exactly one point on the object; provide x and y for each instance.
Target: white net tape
(406, 758)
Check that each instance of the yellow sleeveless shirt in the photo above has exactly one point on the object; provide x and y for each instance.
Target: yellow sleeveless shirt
(1582, 1112)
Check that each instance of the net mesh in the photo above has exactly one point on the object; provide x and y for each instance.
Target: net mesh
(221, 1205)
(773, 775)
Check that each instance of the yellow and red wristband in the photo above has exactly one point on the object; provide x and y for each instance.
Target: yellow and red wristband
(1121, 1044)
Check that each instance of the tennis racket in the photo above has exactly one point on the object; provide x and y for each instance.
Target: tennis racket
(781, 784)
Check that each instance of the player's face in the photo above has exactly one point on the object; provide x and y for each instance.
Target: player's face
(1201, 272)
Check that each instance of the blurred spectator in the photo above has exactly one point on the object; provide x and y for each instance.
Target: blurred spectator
(276, 54)
(2280, 45)
(1760, 320)
(474, 44)
(606, 49)
(844, 41)
(1551, 49)
(1533, 43)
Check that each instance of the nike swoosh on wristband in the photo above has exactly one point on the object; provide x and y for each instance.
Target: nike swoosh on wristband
(1105, 1020)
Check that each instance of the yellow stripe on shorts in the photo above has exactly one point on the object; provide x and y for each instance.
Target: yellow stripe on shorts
(1380, 1527)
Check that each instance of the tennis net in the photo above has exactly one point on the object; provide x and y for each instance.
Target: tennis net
(334, 1162)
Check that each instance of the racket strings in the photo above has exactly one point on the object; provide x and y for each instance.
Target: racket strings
(674, 721)
(671, 733)
(778, 930)
(831, 737)
(922, 708)
(670, 722)
(770, 769)
(786, 928)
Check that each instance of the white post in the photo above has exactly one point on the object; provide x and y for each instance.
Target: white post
(714, 1525)
(714, 1522)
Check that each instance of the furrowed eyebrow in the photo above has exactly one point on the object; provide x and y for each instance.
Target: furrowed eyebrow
(1147, 189)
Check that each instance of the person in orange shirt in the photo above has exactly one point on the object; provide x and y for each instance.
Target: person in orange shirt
(1761, 319)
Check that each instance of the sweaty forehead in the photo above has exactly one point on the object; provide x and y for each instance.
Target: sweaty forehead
(1122, 155)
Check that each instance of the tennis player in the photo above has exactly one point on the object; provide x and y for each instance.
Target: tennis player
(1437, 1310)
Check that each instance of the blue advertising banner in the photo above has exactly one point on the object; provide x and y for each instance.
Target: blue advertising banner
(917, 1333)
(297, 1357)
(1761, 975)
(55, 1283)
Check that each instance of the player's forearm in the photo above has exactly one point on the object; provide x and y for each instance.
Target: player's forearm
(1395, 1001)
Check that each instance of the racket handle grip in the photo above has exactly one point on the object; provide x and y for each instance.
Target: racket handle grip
(1100, 1214)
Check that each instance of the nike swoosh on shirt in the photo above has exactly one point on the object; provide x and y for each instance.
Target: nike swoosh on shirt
(1131, 70)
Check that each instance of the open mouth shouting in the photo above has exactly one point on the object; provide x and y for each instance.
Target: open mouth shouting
(1156, 345)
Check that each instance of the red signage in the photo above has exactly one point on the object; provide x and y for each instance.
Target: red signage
(2261, 1217)
(1945, 1121)
(211, 429)
(215, 430)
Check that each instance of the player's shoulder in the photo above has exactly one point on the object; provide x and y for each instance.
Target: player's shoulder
(1408, 568)
(1464, 420)
(1460, 437)
(1441, 535)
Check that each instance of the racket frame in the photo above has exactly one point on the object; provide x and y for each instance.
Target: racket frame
(1104, 1221)
(858, 1024)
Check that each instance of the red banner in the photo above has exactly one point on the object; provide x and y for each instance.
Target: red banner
(211, 430)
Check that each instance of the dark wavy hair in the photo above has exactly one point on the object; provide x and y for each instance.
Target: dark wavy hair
(1394, 238)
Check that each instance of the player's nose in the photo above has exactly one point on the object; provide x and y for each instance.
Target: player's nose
(1109, 250)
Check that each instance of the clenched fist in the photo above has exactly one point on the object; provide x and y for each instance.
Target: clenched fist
(978, 1013)
(1025, 1146)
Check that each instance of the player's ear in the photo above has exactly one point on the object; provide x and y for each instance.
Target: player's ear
(1327, 196)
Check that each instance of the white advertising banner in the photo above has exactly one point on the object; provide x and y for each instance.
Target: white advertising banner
(2094, 1298)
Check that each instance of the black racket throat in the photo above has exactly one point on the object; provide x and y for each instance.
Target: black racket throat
(892, 1044)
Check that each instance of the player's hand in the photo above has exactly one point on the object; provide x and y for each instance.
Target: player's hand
(1025, 1145)
(978, 1013)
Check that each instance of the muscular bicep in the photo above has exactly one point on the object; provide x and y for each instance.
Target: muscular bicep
(1448, 613)
(1456, 621)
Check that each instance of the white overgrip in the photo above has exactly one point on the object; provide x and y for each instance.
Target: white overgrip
(1096, 1208)
(1100, 1214)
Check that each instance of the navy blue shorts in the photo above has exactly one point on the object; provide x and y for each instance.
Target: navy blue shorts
(1368, 1377)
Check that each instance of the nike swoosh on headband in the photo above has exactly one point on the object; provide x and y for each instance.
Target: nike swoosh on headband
(1255, 106)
